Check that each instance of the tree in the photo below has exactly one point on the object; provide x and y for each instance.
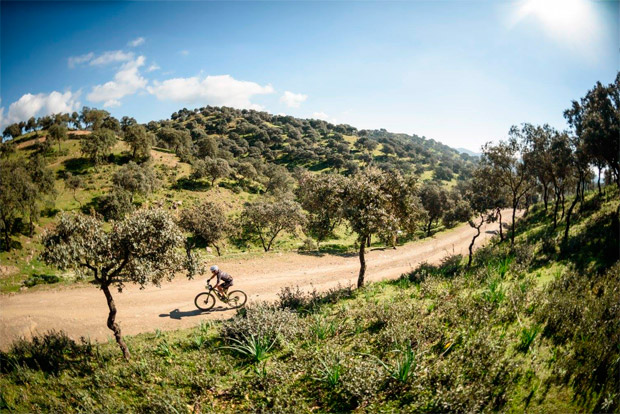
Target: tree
(23, 187)
(322, 197)
(279, 181)
(112, 124)
(206, 146)
(140, 141)
(538, 155)
(214, 168)
(135, 179)
(595, 119)
(457, 209)
(13, 131)
(142, 249)
(265, 220)
(74, 183)
(93, 118)
(207, 223)
(482, 195)
(97, 145)
(57, 133)
(434, 200)
(508, 168)
(378, 202)
(115, 205)
(31, 125)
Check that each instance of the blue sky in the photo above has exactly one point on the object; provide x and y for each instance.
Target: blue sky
(461, 72)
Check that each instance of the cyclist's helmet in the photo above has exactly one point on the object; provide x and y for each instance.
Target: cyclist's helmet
(214, 268)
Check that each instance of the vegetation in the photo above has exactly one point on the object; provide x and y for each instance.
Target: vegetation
(141, 249)
(520, 330)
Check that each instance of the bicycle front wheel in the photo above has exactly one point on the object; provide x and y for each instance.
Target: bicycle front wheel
(204, 301)
(237, 299)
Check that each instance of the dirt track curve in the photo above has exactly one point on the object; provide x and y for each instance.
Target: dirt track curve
(82, 310)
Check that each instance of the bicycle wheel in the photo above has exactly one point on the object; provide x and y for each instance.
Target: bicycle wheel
(237, 299)
(204, 301)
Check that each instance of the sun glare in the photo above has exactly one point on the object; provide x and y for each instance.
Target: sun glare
(572, 21)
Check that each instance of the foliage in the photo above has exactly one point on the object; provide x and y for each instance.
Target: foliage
(265, 220)
(97, 145)
(115, 205)
(207, 223)
(135, 179)
(140, 141)
(213, 168)
(142, 249)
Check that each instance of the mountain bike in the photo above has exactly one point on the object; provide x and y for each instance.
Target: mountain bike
(206, 300)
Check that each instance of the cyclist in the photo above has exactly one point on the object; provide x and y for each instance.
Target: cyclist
(225, 278)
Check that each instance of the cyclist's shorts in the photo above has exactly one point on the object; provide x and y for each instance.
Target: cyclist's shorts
(226, 284)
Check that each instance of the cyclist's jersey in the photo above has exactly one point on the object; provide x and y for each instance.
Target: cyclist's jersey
(223, 276)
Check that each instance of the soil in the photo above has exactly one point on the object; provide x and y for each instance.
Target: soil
(82, 310)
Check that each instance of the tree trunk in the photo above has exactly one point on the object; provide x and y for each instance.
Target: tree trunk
(501, 230)
(473, 240)
(360, 277)
(555, 210)
(428, 228)
(368, 241)
(217, 249)
(600, 192)
(545, 196)
(7, 238)
(114, 327)
(515, 203)
(563, 200)
(569, 212)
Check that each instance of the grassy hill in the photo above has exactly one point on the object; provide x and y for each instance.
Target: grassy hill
(242, 138)
(535, 328)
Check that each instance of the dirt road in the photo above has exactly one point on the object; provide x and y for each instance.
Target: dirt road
(82, 310)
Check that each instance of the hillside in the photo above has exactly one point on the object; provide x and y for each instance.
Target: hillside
(262, 154)
(521, 330)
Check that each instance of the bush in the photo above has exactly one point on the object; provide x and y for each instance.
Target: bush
(40, 280)
(298, 300)
(50, 353)
(264, 321)
(582, 318)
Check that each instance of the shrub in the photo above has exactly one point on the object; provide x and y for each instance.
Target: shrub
(51, 353)
(264, 321)
(40, 280)
(582, 316)
(301, 301)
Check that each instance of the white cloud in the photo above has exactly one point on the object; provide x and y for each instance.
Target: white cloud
(40, 105)
(184, 52)
(153, 67)
(77, 60)
(212, 90)
(127, 81)
(136, 42)
(320, 115)
(293, 100)
(112, 56)
(112, 103)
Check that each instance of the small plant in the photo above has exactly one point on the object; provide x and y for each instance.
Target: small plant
(199, 341)
(164, 349)
(322, 329)
(254, 348)
(404, 366)
(503, 265)
(494, 293)
(527, 338)
(331, 373)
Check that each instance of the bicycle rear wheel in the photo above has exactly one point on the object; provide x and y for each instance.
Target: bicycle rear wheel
(204, 301)
(237, 299)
